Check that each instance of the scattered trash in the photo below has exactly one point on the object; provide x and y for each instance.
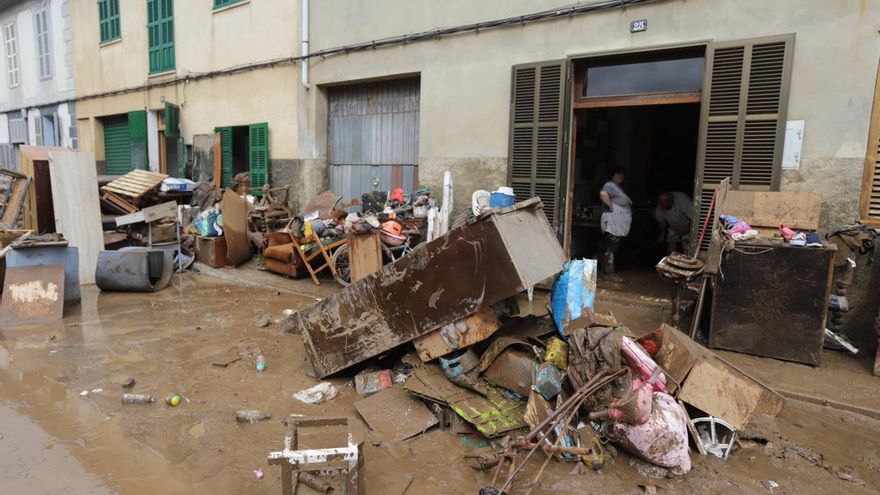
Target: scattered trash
(367, 383)
(261, 362)
(137, 399)
(321, 392)
(548, 380)
(395, 415)
(770, 485)
(715, 436)
(251, 416)
(258, 473)
(84, 393)
(315, 483)
(128, 383)
(262, 321)
(173, 400)
(557, 353)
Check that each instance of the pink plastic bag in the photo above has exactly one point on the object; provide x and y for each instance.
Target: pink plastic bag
(663, 439)
(641, 363)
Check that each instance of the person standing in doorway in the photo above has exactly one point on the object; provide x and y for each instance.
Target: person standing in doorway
(616, 219)
(674, 215)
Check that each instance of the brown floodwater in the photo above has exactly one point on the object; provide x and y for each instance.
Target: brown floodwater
(55, 440)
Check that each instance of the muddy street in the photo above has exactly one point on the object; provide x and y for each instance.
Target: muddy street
(64, 427)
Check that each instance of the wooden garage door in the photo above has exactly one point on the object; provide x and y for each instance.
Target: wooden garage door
(743, 114)
(374, 137)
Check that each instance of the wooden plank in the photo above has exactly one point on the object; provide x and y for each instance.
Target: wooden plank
(235, 213)
(475, 328)
(17, 196)
(77, 207)
(638, 100)
(160, 211)
(798, 210)
(364, 254)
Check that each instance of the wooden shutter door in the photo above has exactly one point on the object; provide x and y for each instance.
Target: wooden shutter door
(137, 136)
(259, 157)
(869, 207)
(224, 157)
(743, 115)
(117, 145)
(536, 135)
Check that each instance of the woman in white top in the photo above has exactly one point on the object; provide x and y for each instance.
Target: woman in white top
(616, 218)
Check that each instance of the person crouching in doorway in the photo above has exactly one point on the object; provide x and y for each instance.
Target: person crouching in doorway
(615, 221)
(674, 214)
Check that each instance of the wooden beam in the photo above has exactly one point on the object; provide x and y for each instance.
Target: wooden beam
(638, 100)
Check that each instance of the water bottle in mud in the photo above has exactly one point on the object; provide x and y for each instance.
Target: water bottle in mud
(261, 362)
(137, 399)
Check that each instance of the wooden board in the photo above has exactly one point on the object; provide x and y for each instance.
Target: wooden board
(478, 327)
(395, 414)
(77, 207)
(798, 210)
(235, 214)
(33, 162)
(364, 254)
(718, 390)
(33, 294)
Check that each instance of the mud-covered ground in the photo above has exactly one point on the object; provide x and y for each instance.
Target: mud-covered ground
(54, 440)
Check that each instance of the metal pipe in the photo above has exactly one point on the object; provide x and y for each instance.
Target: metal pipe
(304, 53)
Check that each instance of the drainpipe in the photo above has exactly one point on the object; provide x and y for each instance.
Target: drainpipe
(304, 67)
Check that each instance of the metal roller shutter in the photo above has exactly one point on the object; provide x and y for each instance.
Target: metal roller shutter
(117, 146)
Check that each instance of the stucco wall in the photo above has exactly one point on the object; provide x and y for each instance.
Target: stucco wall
(206, 41)
(466, 78)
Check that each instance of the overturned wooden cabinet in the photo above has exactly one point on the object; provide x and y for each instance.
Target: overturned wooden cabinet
(500, 254)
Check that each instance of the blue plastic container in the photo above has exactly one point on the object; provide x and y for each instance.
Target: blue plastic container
(501, 200)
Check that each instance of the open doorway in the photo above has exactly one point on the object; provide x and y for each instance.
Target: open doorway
(639, 114)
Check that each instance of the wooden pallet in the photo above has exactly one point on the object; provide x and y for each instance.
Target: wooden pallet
(117, 203)
(135, 184)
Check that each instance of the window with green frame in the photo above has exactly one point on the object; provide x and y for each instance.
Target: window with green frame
(219, 4)
(108, 20)
(160, 30)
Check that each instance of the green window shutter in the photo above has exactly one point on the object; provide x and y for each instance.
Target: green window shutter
(108, 20)
(117, 149)
(259, 157)
(137, 136)
(171, 116)
(225, 156)
(160, 34)
(219, 4)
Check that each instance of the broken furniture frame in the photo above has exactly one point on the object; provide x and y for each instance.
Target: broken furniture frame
(149, 215)
(348, 459)
(320, 250)
(15, 200)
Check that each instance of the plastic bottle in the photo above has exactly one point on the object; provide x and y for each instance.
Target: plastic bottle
(251, 416)
(261, 362)
(173, 400)
(137, 399)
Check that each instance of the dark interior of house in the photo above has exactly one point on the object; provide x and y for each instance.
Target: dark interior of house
(657, 147)
(240, 147)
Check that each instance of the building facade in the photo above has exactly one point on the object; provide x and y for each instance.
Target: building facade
(36, 91)
(162, 80)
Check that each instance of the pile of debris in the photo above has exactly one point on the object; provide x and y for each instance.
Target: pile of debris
(567, 383)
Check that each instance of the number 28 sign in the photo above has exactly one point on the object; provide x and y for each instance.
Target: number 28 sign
(638, 26)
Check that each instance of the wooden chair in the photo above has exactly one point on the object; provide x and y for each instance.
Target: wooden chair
(320, 250)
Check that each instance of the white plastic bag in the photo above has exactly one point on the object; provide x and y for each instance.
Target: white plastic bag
(321, 392)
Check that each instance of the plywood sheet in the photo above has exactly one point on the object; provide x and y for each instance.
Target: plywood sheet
(235, 212)
(364, 254)
(463, 333)
(721, 391)
(33, 294)
(798, 210)
(395, 414)
(77, 207)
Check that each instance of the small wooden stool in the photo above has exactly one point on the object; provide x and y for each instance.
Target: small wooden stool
(347, 459)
